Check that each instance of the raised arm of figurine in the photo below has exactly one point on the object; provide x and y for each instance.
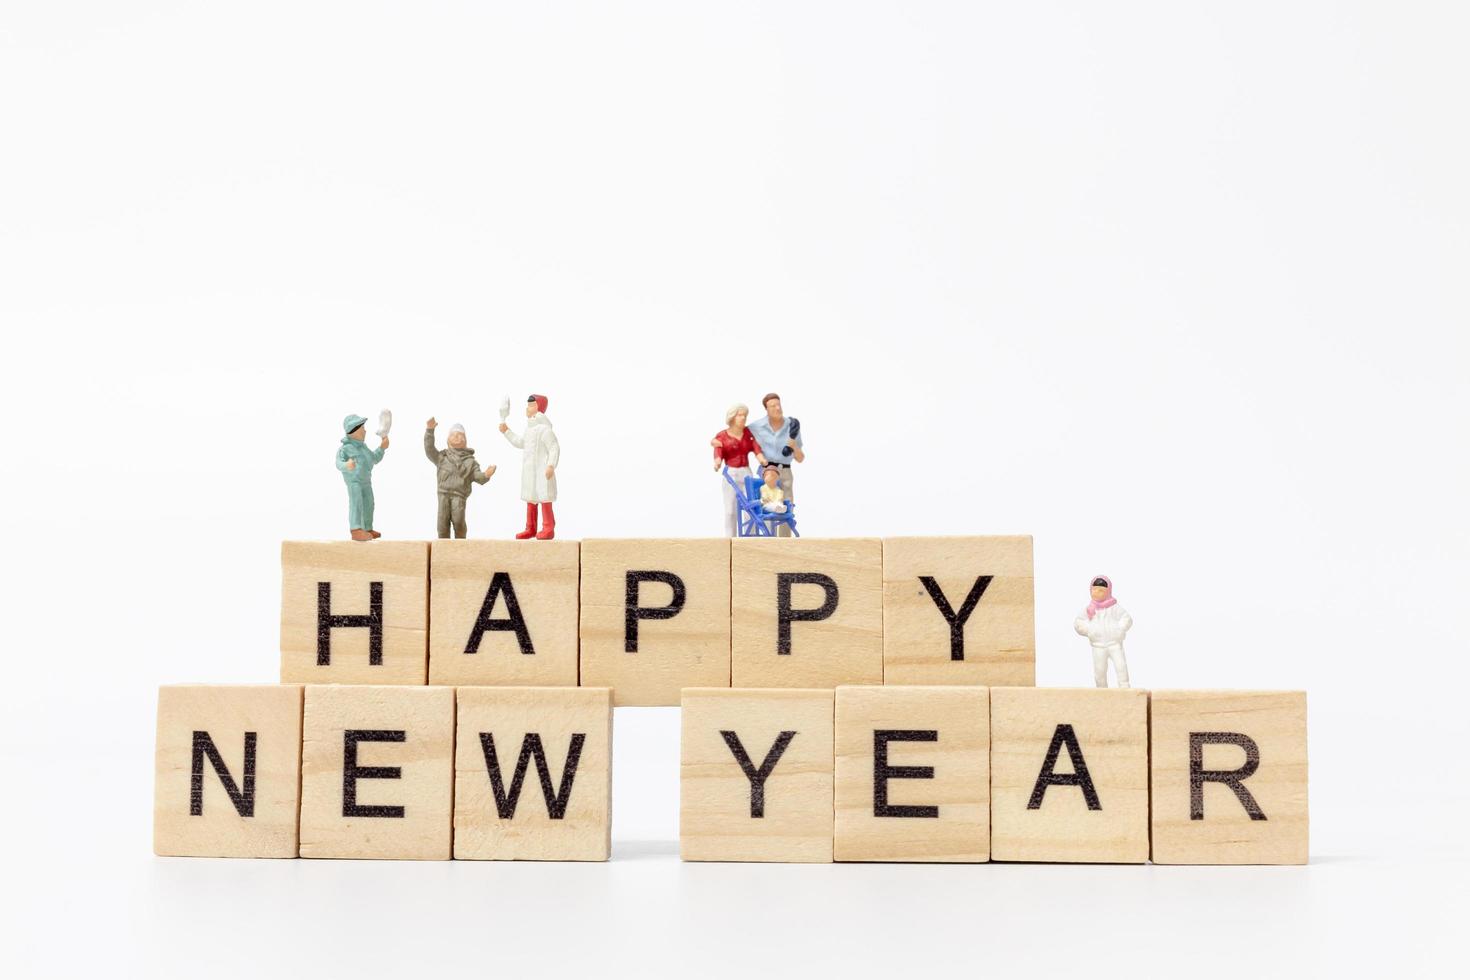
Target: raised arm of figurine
(483, 477)
(429, 448)
(377, 454)
(511, 437)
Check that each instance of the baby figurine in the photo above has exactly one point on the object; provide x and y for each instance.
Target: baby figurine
(773, 498)
(1105, 623)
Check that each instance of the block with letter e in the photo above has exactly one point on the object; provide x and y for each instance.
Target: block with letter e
(755, 776)
(959, 611)
(655, 617)
(227, 771)
(503, 613)
(1228, 777)
(806, 612)
(1069, 775)
(912, 774)
(377, 772)
(354, 612)
(533, 774)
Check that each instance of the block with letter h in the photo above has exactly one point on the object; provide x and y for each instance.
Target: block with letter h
(354, 613)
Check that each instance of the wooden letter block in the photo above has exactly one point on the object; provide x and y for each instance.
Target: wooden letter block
(958, 611)
(912, 774)
(755, 780)
(533, 774)
(806, 612)
(503, 612)
(227, 771)
(1069, 775)
(1229, 777)
(354, 612)
(377, 772)
(655, 617)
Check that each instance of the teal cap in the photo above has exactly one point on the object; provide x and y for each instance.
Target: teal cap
(351, 422)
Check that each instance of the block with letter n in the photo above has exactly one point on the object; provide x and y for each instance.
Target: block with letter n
(227, 771)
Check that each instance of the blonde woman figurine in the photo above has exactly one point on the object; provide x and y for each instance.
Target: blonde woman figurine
(733, 446)
(1105, 623)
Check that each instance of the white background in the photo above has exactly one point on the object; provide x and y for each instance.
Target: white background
(1178, 288)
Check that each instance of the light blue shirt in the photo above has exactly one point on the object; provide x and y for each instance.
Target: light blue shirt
(772, 441)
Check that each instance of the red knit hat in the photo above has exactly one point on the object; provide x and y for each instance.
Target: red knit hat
(540, 401)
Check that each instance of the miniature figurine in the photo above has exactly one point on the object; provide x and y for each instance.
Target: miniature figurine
(780, 441)
(540, 454)
(1105, 623)
(458, 472)
(356, 462)
(733, 448)
(772, 496)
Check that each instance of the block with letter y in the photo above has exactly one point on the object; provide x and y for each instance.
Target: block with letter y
(755, 780)
(533, 774)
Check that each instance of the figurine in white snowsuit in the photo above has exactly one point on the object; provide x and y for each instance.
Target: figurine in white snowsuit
(540, 455)
(1105, 623)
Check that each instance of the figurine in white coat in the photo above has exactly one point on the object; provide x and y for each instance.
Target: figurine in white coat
(540, 455)
(1105, 623)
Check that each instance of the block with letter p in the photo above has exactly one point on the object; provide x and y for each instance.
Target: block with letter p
(354, 612)
(227, 776)
(959, 611)
(755, 775)
(655, 617)
(806, 612)
(533, 774)
(1228, 777)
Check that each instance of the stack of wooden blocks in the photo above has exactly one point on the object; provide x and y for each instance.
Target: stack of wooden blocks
(843, 700)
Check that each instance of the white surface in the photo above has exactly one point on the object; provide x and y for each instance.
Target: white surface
(1177, 288)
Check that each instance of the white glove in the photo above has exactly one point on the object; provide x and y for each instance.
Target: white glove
(505, 408)
(385, 422)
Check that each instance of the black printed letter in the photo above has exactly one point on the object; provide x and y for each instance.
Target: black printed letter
(882, 772)
(634, 612)
(326, 622)
(785, 615)
(1234, 778)
(1079, 776)
(352, 772)
(500, 585)
(756, 776)
(244, 799)
(556, 799)
(956, 620)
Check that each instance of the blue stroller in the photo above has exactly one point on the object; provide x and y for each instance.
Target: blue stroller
(754, 520)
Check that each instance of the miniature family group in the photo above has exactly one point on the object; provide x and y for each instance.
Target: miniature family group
(759, 506)
(458, 471)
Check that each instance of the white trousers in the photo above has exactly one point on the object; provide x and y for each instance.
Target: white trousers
(1100, 658)
(732, 506)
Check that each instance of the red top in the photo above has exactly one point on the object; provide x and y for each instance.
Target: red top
(735, 452)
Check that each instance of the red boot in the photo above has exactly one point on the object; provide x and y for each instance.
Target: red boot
(548, 524)
(530, 531)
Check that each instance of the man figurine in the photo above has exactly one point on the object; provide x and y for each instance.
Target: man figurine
(356, 461)
(1105, 623)
(540, 454)
(458, 472)
(780, 440)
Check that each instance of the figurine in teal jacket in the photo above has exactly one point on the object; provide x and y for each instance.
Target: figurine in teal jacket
(356, 461)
